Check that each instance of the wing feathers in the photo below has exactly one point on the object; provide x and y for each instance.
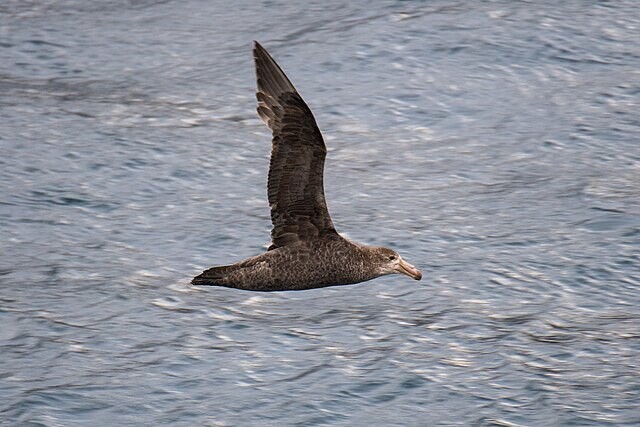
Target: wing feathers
(295, 187)
(271, 78)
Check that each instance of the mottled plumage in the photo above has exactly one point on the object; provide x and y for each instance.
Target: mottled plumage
(306, 250)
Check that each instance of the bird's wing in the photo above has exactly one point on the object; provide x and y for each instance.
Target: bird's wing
(295, 187)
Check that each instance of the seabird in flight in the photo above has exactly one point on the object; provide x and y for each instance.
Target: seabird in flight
(306, 250)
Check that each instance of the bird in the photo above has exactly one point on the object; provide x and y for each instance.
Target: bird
(306, 251)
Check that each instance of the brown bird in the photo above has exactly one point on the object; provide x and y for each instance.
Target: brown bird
(306, 250)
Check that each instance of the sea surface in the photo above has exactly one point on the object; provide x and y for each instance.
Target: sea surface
(495, 145)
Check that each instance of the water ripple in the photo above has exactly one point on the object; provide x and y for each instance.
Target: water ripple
(494, 145)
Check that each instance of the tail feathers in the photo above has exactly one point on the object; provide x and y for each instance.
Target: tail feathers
(214, 276)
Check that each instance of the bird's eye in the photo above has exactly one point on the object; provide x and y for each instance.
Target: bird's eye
(392, 257)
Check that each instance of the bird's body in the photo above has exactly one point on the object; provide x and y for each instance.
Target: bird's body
(307, 252)
(321, 263)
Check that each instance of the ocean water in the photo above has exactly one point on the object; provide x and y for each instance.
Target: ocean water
(493, 144)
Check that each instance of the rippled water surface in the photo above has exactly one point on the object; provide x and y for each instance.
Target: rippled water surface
(495, 145)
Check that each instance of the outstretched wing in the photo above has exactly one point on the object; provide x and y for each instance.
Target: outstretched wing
(295, 186)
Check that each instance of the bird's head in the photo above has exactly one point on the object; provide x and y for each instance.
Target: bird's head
(391, 263)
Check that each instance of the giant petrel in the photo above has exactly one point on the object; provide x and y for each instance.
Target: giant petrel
(306, 250)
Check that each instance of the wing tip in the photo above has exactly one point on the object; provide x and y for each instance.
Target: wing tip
(259, 50)
(271, 78)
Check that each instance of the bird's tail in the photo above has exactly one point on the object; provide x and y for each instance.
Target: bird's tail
(215, 276)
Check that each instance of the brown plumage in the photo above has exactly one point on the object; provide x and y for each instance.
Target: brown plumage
(306, 250)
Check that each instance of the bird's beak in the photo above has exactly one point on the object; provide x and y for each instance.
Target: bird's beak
(408, 269)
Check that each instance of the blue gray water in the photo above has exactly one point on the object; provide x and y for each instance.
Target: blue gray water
(493, 144)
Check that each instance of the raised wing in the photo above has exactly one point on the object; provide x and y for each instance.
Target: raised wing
(295, 187)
